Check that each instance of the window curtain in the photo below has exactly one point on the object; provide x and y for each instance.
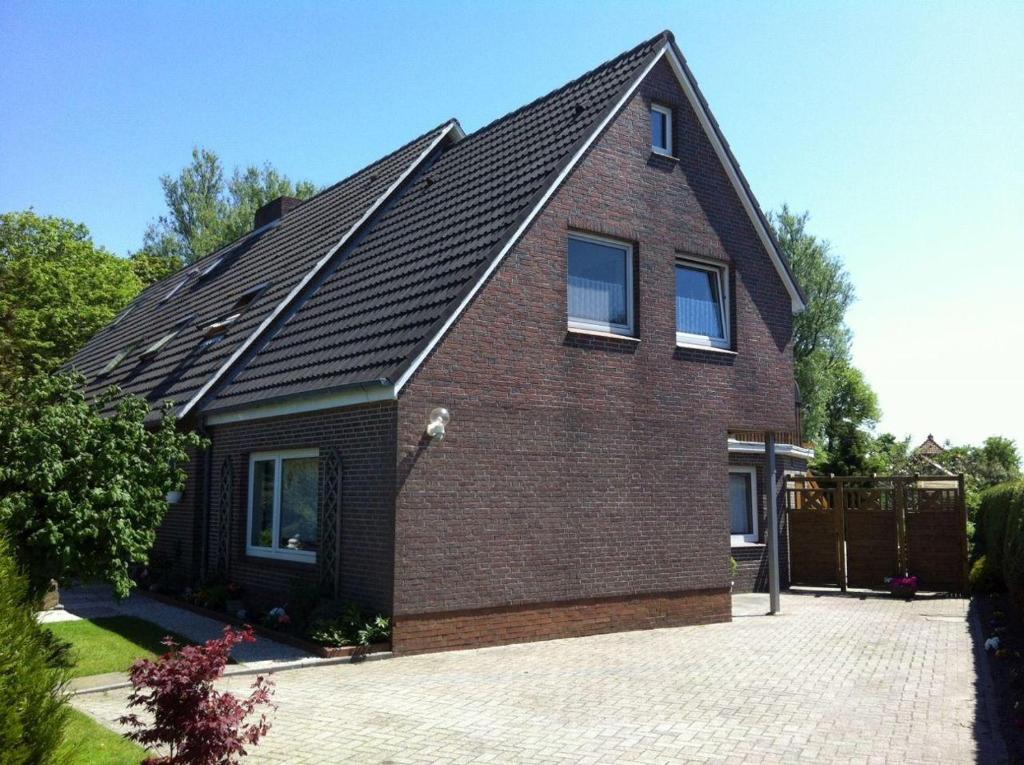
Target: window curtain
(597, 300)
(698, 310)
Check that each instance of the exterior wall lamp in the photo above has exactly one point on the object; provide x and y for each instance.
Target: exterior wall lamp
(439, 417)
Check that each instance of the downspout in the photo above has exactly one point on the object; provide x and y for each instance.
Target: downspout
(204, 503)
(773, 524)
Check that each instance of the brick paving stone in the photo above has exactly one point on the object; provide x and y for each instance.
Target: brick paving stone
(831, 679)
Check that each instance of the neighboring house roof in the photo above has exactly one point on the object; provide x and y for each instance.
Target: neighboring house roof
(344, 315)
(929, 447)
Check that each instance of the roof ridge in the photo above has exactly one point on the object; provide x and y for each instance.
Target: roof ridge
(663, 35)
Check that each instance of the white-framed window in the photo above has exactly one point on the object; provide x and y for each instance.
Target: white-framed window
(600, 285)
(661, 129)
(282, 520)
(702, 304)
(743, 505)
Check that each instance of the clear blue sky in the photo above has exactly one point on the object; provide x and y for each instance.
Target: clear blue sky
(899, 126)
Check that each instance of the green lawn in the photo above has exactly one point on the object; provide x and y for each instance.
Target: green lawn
(111, 643)
(86, 742)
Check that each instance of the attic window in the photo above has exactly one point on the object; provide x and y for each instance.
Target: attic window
(169, 335)
(119, 358)
(220, 325)
(186, 279)
(661, 129)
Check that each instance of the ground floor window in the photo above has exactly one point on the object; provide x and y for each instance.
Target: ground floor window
(283, 504)
(743, 505)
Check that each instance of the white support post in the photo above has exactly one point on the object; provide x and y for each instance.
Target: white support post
(773, 524)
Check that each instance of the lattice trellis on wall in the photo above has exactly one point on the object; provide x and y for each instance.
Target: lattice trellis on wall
(330, 522)
(225, 487)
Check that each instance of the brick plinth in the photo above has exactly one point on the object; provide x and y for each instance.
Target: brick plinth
(547, 621)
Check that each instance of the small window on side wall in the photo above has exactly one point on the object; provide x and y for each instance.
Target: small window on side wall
(743, 505)
(702, 316)
(661, 129)
(600, 285)
(284, 505)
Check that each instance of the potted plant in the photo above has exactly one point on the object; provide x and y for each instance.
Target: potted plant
(903, 586)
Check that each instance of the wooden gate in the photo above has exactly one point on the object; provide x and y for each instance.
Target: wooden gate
(855, 531)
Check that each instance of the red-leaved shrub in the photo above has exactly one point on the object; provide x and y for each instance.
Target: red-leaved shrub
(197, 724)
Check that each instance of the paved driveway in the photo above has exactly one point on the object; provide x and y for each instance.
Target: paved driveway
(830, 680)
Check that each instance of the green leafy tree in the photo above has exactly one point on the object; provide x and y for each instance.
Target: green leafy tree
(839, 406)
(34, 708)
(57, 289)
(83, 483)
(889, 455)
(206, 210)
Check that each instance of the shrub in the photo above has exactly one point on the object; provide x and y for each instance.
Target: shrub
(352, 626)
(33, 711)
(985, 577)
(197, 724)
(377, 630)
(1000, 534)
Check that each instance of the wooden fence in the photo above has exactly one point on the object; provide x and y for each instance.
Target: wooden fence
(855, 531)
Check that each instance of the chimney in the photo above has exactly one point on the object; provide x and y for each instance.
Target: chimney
(273, 210)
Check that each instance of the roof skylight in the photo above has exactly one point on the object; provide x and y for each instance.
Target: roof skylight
(219, 325)
(164, 339)
(119, 357)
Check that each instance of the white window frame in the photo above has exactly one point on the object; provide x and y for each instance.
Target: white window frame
(627, 329)
(738, 540)
(278, 553)
(689, 339)
(667, 111)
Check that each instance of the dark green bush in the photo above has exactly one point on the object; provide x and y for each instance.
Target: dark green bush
(34, 707)
(985, 577)
(999, 537)
(347, 624)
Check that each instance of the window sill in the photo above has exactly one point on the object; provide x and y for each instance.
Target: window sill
(307, 558)
(664, 155)
(741, 543)
(709, 348)
(599, 333)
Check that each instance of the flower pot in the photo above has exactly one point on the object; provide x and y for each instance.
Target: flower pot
(903, 592)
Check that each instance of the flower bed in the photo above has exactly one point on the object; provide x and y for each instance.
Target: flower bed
(324, 652)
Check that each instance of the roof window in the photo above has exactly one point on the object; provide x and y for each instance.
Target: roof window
(220, 325)
(164, 339)
(119, 358)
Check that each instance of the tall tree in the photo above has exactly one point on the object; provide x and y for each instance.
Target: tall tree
(82, 489)
(56, 290)
(206, 210)
(839, 405)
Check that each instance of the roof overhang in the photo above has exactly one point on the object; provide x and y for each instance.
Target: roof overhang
(783, 450)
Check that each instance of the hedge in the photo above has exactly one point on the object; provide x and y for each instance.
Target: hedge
(999, 535)
(32, 692)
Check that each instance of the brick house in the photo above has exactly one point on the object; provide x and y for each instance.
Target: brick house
(583, 298)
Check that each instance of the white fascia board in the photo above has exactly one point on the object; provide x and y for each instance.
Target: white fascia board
(784, 450)
(733, 172)
(363, 394)
(451, 128)
(514, 239)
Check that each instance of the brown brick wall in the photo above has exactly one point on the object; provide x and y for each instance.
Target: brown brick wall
(176, 552)
(365, 438)
(578, 468)
(546, 621)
